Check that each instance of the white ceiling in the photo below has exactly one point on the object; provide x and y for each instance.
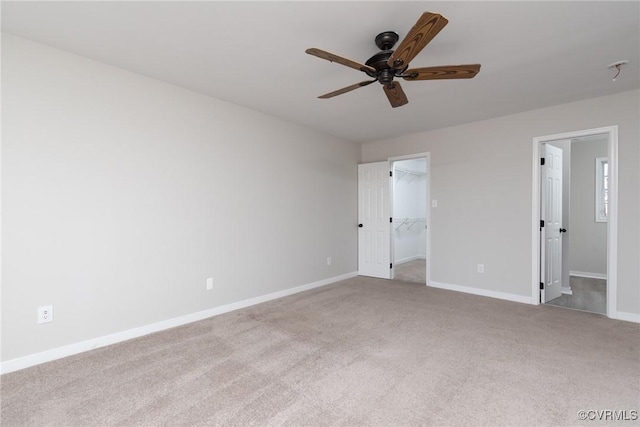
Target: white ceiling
(533, 54)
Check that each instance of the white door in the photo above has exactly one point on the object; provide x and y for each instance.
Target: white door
(551, 233)
(374, 248)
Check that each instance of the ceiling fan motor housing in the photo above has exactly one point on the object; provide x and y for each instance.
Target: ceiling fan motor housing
(379, 61)
(384, 73)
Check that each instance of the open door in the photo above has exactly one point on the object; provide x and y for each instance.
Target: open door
(374, 248)
(551, 232)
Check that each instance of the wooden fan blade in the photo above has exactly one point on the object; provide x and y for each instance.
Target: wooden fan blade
(340, 60)
(427, 27)
(346, 89)
(396, 95)
(467, 71)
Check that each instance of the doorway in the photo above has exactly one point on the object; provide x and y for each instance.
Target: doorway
(377, 249)
(575, 207)
(409, 232)
(584, 218)
(409, 226)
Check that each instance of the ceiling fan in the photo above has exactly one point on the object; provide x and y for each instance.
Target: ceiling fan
(388, 64)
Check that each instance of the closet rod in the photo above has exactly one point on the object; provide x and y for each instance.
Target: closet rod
(410, 172)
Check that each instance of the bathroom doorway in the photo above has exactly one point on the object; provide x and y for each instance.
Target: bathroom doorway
(574, 261)
(585, 187)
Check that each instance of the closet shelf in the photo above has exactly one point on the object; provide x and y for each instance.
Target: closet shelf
(407, 172)
(408, 222)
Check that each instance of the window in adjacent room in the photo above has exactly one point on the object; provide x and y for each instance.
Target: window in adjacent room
(602, 188)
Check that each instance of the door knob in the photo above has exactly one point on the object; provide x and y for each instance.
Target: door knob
(563, 230)
(360, 225)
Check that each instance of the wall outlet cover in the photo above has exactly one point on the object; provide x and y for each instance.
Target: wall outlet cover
(45, 314)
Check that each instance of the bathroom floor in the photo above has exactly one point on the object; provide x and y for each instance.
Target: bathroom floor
(588, 295)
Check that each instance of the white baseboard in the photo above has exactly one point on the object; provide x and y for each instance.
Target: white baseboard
(409, 259)
(587, 274)
(483, 292)
(628, 317)
(91, 344)
(567, 291)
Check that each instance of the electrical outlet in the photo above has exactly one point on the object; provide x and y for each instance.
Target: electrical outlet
(209, 283)
(328, 260)
(480, 268)
(45, 314)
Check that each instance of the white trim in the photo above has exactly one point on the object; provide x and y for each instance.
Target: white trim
(409, 259)
(535, 231)
(91, 344)
(427, 156)
(628, 317)
(587, 274)
(482, 292)
(612, 223)
(567, 291)
(410, 156)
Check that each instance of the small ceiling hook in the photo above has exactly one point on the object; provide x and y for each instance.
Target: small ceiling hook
(618, 66)
(618, 73)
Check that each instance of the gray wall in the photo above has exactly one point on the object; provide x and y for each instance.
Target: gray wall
(482, 178)
(122, 194)
(588, 238)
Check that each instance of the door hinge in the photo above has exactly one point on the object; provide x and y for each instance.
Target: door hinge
(391, 265)
(542, 223)
(390, 219)
(390, 173)
(541, 286)
(541, 161)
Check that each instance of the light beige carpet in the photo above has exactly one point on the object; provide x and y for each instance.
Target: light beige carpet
(360, 352)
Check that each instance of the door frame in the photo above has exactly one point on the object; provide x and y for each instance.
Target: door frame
(612, 223)
(427, 157)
